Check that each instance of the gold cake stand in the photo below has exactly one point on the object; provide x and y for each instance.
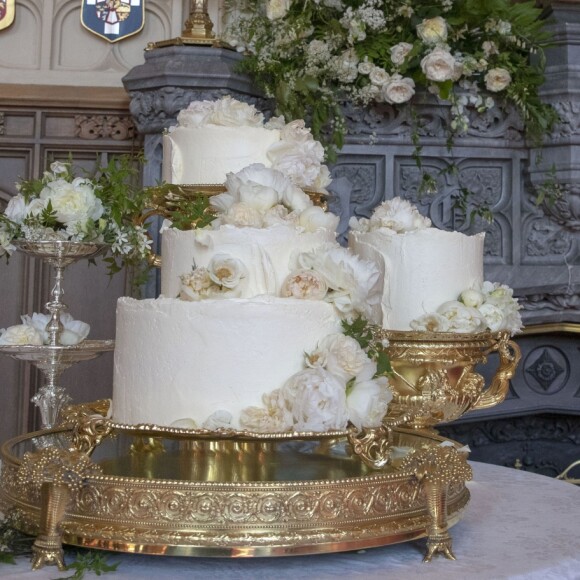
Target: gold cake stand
(145, 489)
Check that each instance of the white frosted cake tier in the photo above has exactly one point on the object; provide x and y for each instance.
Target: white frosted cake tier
(176, 360)
(422, 269)
(266, 253)
(205, 155)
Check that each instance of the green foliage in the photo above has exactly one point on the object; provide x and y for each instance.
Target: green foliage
(90, 561)
(362, 331)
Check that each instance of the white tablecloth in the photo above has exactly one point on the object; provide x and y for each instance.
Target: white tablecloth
(517, 525)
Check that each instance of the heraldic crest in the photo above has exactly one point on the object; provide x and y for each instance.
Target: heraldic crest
(113, 20)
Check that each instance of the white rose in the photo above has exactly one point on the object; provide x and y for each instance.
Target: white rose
(344, 358)
(365, 67)
(242, 215)
(398, 215)
(432, 30)
(317, 400)
(277, 8)
(497, 79)
(226, 270)
(430, 323)
(197, 114)
(462, 318)
(398, 90)
(16, 210)
(493, 316)
(315, 218)
(439, 65)
(232, 113)
(195, 285)
(472, 297)
(304, 285)
(399, 52)
(74, 331)
(379, 76)
(20, 334)
(73, 202)
(368, 401)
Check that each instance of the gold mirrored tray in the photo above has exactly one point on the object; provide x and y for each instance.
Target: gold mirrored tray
(102, 486)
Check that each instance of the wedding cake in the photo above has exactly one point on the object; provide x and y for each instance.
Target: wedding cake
(432, 279)
(248, 330)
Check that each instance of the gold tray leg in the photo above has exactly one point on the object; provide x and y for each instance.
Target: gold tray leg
(47, 548)
(438, 539)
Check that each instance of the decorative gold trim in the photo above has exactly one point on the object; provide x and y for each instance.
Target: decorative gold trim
(569, 327)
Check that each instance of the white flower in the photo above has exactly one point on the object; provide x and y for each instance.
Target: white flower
(257, 186)
(316, 400)
(6, 246)
(232, 113)
(304, 285)
(296, 131)
(462, 318)
(58, 167)
(398, 90)
(379, 76)
(218, 420)
(439, 65)
(314, 218)
(295, 199)
(342, 356)
(432, 322)
(399, 52)
(472, 297)
(346, 66)
(242, 215)
(72, 202)
(365, 67)
(20, 334)
(226, 270)
(398, 215)
(197, 114)
(274, 417)
(489, 48)
(277, 8)
(279, 214)
(74, 331)
(432, 30)
(493, 316)
(368, 401)
(195, 285)
(497, 79)
(16, 210)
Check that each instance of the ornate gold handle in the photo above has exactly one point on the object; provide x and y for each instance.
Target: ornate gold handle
(509, 357)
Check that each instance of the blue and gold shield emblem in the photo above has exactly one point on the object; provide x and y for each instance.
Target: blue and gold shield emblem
(113, 20)
(6, 13)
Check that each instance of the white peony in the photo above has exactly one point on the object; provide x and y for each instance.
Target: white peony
(257, 186)
(399, 52)
(300, 161)
(273, 417)
(316, 400)
(295, 199)
(497, 79)
(432, 322)
(59, 168)
(17, 209)
(368, 401)
(74, 331)
(20, 334)
(472, 297)
(493, 316)
(398, 90)
(304, 285)
(462, 318)
(277, 8)
(314, 218)
(226, 270)
(197, 114)
(432, 30)
(296, 131)
(218, 420)
(74, 202)
(242, 215)
(439, 65)
(232, 113)
(398, 215)
(279, 214)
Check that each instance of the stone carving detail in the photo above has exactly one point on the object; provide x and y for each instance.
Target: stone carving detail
(548, 372)
(2, 124)
(566, 210)
(546, 239)
(569, 112)
(91, 127)
(154, 111)
(555, 302)
(363, 179)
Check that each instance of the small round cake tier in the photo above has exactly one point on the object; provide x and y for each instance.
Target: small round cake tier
(186, 360)
(422, 269)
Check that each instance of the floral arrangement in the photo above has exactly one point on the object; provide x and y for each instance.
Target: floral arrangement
(295, 153)
(395, 216)
(313, 55)
(340, 384)
(491, 307)
(62, 206)
(221, 279)
(33, 331)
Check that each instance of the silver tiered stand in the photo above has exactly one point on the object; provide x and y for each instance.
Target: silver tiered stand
(54, 358)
